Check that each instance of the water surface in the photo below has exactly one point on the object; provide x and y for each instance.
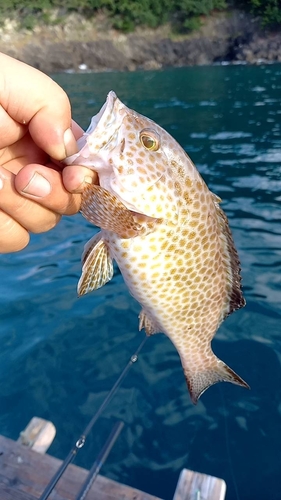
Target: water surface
(60, 355)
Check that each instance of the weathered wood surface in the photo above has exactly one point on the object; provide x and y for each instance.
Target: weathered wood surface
(24, 474)
(38, 435)
(196, 486)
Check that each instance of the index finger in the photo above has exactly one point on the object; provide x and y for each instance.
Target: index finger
(32, 98)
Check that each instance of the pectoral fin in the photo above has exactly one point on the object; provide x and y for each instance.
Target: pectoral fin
(105, 210)
(97, 267)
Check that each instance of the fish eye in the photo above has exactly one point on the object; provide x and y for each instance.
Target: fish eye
(150, 139)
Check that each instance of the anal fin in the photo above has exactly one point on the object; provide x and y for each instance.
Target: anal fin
(97, 266)
(145, 322)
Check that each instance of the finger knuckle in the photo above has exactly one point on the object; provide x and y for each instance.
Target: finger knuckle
(47, 223)
(14, 237)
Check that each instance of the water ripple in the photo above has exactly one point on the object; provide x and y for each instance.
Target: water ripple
(61, 355)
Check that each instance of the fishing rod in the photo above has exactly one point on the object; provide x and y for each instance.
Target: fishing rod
(101, 458)
(82, 439)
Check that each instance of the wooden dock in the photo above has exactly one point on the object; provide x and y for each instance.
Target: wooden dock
(24, 474)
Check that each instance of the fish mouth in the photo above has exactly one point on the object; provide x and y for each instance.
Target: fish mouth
(103, 120)
(105, 116)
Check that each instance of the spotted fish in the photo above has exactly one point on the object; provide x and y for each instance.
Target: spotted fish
(167, 233)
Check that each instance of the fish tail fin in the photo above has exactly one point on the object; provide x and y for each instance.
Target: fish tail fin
(214, 371)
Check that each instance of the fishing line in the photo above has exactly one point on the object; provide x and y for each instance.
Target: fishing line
(82, 439)
(227, 444)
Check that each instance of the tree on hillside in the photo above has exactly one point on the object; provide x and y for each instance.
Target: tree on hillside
(125, 15)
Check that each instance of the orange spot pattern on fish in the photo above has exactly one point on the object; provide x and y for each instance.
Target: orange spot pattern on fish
(168, 235)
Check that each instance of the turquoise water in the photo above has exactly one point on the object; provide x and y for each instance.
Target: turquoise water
(60, 355)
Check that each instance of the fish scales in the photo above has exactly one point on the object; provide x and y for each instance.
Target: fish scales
(167, 233)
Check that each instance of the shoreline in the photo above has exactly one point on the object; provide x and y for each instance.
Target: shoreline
(79, 45)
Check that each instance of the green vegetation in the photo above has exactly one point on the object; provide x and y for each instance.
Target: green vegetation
(125, 15)
(268, 10)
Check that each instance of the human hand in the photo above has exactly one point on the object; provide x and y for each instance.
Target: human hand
(35, 126)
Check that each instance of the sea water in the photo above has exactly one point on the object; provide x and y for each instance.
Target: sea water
(60, 355)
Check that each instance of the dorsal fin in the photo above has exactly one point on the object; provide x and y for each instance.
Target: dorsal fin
(236, 299)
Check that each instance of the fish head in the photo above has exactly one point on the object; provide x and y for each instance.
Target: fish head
(132, 156)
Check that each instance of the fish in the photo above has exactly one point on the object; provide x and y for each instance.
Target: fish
(167, 233)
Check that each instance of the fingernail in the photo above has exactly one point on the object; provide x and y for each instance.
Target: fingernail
(70, 144)
(88, 179)
(1, 183)
(38, 186)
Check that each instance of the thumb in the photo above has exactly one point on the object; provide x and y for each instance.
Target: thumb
(76, 178)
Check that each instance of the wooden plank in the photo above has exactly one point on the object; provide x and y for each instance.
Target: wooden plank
(24, 474)
(38, 435)
(8, 493)
(196, 486)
